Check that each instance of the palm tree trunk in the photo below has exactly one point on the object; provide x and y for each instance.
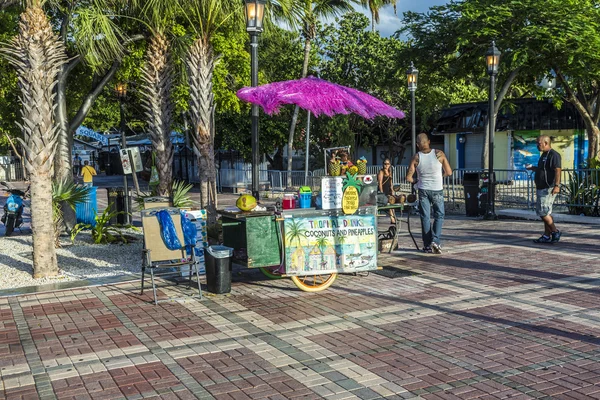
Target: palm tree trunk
(290, 146)
(62, 162)
(157, 76)
(200, 63)
(38, 55)
(44, 244)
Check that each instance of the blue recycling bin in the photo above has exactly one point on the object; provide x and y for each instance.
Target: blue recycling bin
(86, 212)
(305, 196)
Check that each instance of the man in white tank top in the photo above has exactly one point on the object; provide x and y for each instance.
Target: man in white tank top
(431, 167)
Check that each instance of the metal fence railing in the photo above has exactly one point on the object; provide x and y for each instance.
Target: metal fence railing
(268, 179)
(580, 189)
(514, 188)
(579, 194)
(11, 172)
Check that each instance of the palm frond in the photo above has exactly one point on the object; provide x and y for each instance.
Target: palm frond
(67, 191)
(208, 16)
(181, 196)
(98, 35)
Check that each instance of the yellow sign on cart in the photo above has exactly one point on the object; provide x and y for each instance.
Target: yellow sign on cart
(350, 200)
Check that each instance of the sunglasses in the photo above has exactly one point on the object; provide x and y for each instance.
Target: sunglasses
(386, 163)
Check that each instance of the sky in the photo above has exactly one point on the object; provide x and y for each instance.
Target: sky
(389, 23)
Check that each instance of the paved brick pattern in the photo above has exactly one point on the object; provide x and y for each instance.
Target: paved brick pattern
(494, 317)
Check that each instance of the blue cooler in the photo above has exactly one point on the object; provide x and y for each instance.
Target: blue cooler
(305, 196)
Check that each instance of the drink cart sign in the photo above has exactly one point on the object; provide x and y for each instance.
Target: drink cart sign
(329, 244)
(136, 158)
(331, 192)
(350, 200)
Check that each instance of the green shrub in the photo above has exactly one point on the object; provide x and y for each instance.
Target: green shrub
(66, 192)
(180, 196)
(103, 233)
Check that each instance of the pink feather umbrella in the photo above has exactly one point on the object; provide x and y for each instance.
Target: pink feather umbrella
(317, 96)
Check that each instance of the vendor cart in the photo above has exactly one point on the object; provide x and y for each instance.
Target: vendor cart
(309, 245)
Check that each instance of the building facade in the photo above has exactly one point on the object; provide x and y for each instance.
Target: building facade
(518, 124)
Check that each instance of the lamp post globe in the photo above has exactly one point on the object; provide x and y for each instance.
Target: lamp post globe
(255, 12)
(412, 75)
(492, 60)
(121, 90)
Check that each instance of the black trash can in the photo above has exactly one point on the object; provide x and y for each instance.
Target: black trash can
(471, 185)
(483, 192)
(218, 269)
(116, 166)
(116, 199)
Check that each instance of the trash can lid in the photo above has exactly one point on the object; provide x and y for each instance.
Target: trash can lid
(218, 251)
(304, 189)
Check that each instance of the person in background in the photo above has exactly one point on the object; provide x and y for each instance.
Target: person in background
(384, 181)
(88, 173)
(431, 166)
(547, 184)
(77, 165)
(344, 161)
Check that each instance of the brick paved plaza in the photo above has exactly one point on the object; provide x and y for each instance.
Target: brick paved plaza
(494, 317)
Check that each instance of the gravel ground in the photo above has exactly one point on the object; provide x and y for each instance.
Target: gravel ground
(81, 260)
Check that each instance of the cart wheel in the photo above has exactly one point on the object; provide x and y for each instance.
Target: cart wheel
(314, 283)
(268, 272)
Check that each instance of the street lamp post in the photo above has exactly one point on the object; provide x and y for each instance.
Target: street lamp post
(255, 11)
(412, 74)
(121, 90)
(492, 59)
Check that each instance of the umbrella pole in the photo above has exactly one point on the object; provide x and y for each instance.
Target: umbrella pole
(307, 149)
(255, 146)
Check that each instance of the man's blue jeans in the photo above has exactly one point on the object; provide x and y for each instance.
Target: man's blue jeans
(428, 200)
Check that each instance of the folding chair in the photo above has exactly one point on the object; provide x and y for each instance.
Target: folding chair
(157, 255)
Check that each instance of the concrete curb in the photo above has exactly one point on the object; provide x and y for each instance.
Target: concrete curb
(558, 218)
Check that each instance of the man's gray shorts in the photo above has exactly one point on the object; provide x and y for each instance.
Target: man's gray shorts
(545, 199)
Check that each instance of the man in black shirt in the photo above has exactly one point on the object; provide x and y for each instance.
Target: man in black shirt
(547, 183)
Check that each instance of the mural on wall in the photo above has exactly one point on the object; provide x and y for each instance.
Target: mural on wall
(330, 244)
(525, 148)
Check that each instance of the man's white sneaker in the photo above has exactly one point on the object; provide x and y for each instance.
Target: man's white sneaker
(437, 249)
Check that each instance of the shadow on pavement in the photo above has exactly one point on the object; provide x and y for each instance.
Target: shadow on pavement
(501, 321)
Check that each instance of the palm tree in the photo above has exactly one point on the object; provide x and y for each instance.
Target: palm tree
(295, 230)
(206, 18)
(38, 55)
(92, 33)
(374, 7)
(339, 241)
(310, 12)
(157, 84)
(322, 243)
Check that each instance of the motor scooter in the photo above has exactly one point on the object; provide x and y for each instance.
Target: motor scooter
(13, 209)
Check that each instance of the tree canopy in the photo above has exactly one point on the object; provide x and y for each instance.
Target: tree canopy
(538, 38)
